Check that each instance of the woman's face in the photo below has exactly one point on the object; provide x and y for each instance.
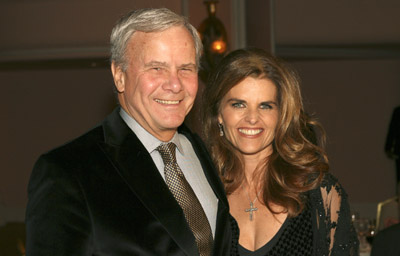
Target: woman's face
(249, 114)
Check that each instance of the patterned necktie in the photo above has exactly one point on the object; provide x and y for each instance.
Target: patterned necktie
(187, 199)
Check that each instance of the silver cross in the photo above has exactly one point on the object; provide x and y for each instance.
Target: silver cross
(251, 210)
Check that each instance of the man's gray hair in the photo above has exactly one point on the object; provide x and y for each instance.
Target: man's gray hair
(147, 20)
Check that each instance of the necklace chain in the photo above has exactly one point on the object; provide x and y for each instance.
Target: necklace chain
(252, 208)
(248, 197)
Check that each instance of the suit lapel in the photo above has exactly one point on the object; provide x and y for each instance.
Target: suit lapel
(136, 167)
(223, 230)
(206, 164)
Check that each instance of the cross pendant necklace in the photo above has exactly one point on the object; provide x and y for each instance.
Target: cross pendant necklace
(252, 208)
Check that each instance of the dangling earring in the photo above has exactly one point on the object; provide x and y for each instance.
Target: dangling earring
(221, 130)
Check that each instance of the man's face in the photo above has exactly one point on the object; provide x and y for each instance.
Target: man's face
(160, 84)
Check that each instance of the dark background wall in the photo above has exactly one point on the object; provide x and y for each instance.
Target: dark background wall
(347, 54)
(352, 92)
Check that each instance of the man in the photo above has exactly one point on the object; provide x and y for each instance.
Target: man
(386, 242)
(392, 145)
(109, 192)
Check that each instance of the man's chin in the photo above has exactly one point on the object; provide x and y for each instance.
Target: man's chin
(172, 124)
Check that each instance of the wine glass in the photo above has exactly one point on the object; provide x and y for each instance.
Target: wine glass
(371, 231)
(362, 227)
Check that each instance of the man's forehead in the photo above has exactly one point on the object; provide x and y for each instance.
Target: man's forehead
(153, 47)
(157, 33)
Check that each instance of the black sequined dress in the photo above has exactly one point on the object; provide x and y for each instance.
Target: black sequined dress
(323, 228)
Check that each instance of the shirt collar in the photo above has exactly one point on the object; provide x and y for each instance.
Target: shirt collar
(148, 140)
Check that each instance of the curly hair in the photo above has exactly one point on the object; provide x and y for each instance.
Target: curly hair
(298, 161)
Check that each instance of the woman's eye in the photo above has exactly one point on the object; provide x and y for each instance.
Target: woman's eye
(266, 106)
(238, 105)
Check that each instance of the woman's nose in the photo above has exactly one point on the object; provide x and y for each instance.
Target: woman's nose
(252, 116)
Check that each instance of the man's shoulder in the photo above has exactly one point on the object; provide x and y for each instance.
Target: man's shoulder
(78, 146)
(194, 138)
(191, 136)
(392, 231)
(85, 142)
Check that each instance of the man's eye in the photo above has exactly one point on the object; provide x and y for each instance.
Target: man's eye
(187, 70)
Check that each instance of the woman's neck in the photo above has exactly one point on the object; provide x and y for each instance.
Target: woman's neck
(254, 167)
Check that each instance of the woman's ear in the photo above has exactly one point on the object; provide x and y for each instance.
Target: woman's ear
(119, 77)
(220, 120)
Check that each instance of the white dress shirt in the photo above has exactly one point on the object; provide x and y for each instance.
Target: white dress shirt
(187, 161)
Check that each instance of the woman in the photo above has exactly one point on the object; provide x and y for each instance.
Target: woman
(267, 151)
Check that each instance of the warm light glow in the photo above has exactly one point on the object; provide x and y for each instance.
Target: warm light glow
(218, 46)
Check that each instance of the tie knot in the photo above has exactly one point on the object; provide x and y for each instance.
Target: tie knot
(167, 152)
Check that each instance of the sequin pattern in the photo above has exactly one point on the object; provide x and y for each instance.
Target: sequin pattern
(326, 219)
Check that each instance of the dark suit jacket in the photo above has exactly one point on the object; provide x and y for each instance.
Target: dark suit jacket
(393, 137)
(387, 242)
(101, 194)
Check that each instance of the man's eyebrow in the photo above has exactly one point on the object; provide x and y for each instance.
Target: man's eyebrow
(164, 64)
(156, 64)
(188, 65)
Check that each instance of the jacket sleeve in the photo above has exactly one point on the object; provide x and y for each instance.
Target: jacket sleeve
(392, 139)
(57, 218)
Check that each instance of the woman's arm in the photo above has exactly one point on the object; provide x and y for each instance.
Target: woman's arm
(340, 234)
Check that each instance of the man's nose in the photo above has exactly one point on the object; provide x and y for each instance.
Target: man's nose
(174, 83)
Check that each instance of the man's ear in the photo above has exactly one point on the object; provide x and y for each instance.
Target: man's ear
(119, 77)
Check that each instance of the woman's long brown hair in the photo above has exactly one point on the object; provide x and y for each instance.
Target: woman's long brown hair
(298, 161)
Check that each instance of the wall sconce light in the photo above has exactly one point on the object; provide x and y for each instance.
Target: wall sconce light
(215, 43)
